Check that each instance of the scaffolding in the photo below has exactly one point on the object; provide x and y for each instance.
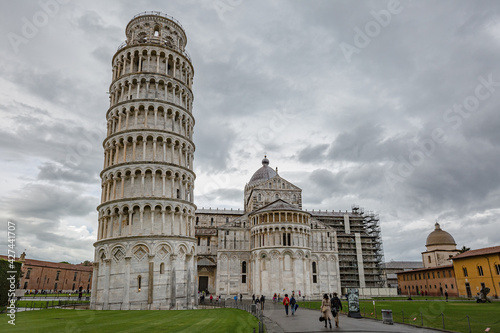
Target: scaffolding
(367, 224)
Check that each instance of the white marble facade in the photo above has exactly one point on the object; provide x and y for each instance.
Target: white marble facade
(272, 247)
(145, 254)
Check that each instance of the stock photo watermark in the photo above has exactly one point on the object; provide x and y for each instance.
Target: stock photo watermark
(12, 273)
(453, 118)
(30, 27)
(363, 37)
(277, 123)
(84, 148)
(224, 6)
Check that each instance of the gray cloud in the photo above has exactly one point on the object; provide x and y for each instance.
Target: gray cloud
(270, 77)
(48, 202)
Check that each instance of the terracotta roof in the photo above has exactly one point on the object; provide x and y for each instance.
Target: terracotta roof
(427, 269)
(279, 204)
(33, 262)
(478, 252)
(402, 264)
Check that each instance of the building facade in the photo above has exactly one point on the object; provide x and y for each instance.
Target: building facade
(274, 246)
(477, 269)
(53, 276)
(145, 254)
(391, 268)
(434, 281)
(438, 275)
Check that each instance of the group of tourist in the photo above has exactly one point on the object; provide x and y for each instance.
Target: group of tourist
(278, 298)
(203, 294)
(330, 308)
(290, 302)
(259, 300)
(51, 291)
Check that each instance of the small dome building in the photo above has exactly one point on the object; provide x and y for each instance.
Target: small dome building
(440, 247)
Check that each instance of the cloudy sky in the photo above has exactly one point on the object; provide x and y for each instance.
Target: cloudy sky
(391, 106)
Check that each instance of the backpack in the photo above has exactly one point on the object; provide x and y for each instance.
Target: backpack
(285, 301)
(292, 301)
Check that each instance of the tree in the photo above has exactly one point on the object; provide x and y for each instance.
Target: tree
(8, 280)
(464, 249)
(87, 263)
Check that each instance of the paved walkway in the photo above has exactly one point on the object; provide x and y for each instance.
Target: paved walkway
(306, 320)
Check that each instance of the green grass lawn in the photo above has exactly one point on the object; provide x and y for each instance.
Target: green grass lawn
(481, 316)
(59, 320)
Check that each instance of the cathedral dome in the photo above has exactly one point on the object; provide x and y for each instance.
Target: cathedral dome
(264, 173)
(439, 237)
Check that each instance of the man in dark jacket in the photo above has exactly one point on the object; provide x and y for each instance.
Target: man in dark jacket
(336, 307)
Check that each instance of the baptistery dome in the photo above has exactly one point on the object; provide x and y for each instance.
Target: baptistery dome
(439, 237)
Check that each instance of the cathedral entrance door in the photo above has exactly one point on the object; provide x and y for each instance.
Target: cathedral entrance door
(203, 283)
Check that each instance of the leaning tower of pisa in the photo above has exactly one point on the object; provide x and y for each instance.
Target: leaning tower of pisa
(145, 249)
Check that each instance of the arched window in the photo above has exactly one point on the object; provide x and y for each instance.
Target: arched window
(139, 281)
(162, 268)
(259, 197)
(315, 272)
(244, 267)
(157, 31)
(211, 221)
(277, 196)
(197, 220)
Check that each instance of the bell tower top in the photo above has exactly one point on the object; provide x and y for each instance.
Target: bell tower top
(157, 28)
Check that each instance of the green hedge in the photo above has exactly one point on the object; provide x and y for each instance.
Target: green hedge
(4, 283)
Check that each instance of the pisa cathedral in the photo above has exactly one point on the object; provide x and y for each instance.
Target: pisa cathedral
(155, 249)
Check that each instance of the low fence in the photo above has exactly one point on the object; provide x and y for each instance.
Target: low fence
(439, 314)
(54, 296)
(464, 324)
(28, 305)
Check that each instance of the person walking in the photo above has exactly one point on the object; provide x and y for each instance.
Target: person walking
(336, 307)
(292, 304)
(253, 298)
(235, 300)
(326, 310)
(262, 301)
(446, 295)
(211, 298)
(241, 298)
(286, 303)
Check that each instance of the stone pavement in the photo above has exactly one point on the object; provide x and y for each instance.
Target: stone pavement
(306, 320)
